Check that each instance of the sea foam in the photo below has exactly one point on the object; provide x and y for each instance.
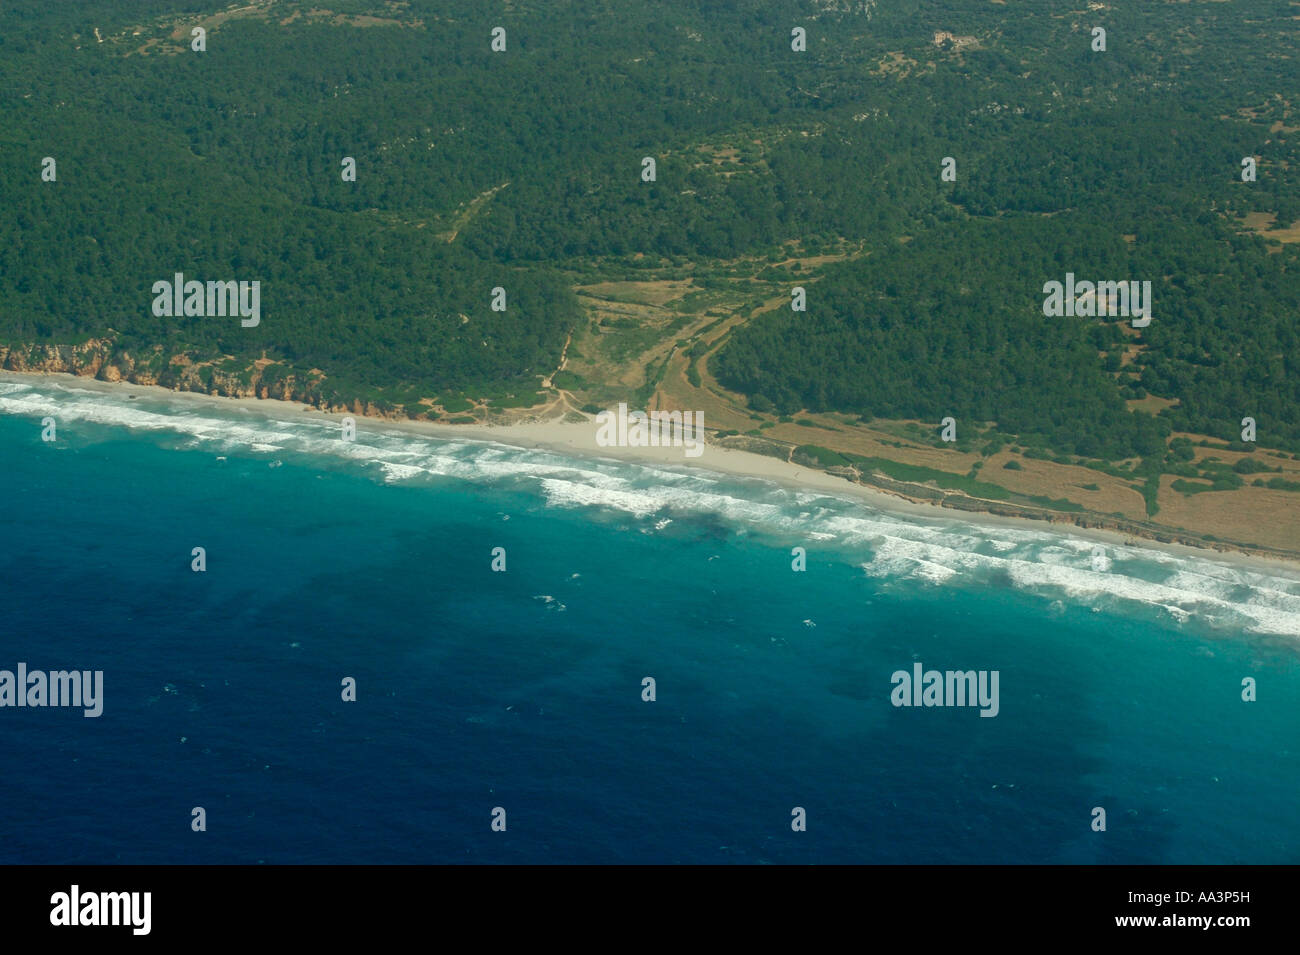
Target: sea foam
(930, 551)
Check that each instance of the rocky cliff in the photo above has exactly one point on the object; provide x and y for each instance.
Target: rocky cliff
(101, 359)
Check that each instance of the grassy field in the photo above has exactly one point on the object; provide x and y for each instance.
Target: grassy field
(648, 342)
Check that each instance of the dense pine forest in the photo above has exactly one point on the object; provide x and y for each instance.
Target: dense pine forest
(521, 169)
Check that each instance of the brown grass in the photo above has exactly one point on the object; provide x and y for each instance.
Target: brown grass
(646, 293)
(1250, 515)
(1263, 223)
(1151, 404)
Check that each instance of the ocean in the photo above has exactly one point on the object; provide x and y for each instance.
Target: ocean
(517, 695)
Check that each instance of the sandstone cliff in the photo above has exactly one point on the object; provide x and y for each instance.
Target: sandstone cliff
(100, 358)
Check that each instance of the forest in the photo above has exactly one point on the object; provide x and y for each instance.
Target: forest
(520, 168)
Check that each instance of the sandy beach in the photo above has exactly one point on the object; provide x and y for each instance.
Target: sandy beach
(580, 439)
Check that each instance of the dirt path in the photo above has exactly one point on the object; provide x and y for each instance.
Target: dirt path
(564, 360)
(475, 205)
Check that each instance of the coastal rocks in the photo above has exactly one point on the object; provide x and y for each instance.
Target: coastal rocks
(226, 377)
(100, 359)
(123, 366)
(85, 359)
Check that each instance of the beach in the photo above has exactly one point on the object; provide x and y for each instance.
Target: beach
(580, 439)
(500, 606)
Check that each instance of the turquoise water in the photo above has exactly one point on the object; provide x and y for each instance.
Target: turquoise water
(1120, 681)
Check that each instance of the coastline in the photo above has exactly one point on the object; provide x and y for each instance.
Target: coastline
(579, 439)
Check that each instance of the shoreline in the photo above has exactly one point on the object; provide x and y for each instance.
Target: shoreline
(579, 439)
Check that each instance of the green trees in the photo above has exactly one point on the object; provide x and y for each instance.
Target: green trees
(1118, 165)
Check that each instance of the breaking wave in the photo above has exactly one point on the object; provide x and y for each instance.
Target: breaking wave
(932, 551)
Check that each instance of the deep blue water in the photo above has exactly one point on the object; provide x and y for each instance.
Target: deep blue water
(222, 689)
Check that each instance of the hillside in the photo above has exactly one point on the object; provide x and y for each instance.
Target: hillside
(521, 170)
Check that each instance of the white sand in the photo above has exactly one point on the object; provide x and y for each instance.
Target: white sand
(579, 438)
